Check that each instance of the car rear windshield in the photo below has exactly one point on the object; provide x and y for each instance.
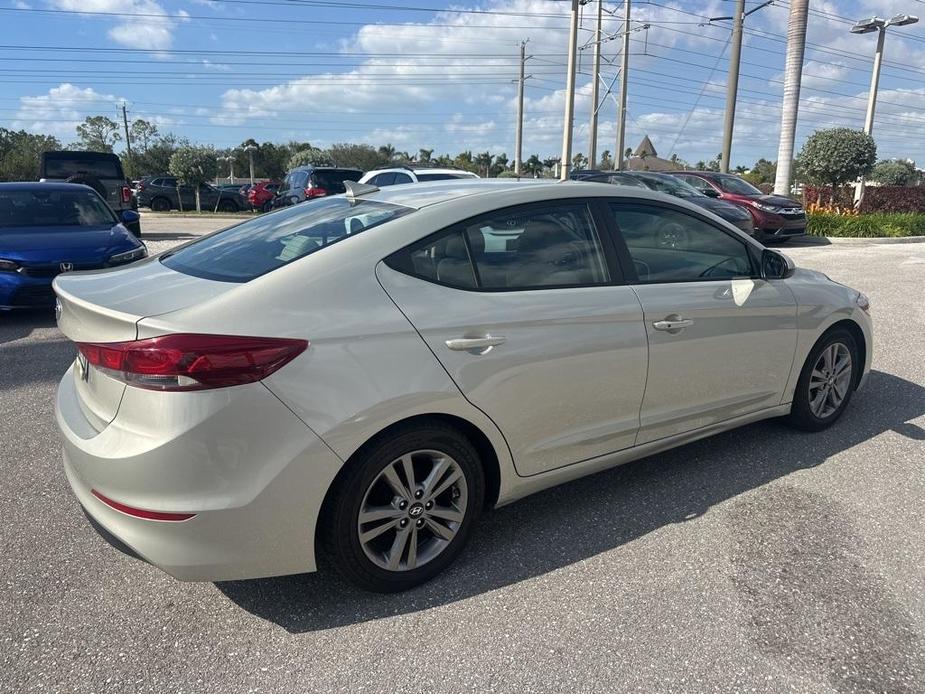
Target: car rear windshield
(333, 181)
(53, 208)
(98, 168)
(266, 243)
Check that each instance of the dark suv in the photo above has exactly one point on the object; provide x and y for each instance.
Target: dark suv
(776, 217)
(161, 195)
(306, 182)
(102, 171)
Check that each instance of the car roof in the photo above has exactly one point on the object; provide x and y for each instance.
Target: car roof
(433, 193)
(424, 170)
(35, 185)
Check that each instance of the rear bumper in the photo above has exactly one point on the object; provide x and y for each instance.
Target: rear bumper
(254, 475)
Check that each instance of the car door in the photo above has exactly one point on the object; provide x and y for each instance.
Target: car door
(526, 310)
(721, 340)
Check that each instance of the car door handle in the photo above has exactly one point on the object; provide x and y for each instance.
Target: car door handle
(465, 344)
(672, 324)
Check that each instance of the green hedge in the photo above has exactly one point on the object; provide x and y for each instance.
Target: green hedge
(867, 225)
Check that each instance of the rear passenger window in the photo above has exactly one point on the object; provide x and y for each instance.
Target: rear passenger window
(402, 178)
(383, 179)
(515, 249)
(668, 245)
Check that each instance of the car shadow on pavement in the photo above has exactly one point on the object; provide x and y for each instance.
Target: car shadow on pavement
(581, 519)
(17, 324)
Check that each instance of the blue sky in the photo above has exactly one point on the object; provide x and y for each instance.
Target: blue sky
(420, 73)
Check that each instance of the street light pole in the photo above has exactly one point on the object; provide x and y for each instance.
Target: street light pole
(867, 26)
(624, 83)
(566, 160)
(250, 160)
(592, 143)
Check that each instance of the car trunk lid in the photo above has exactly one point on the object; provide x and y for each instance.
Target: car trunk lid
(105, 306)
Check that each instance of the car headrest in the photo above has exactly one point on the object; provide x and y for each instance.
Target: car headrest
(541, 234)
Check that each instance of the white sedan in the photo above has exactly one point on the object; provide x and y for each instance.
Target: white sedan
(364, 374)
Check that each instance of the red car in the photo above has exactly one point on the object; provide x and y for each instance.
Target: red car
(776, 217)
(261, 195)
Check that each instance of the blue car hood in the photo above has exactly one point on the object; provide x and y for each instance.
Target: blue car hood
(74, 244)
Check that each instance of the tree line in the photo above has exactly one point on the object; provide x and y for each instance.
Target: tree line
(838, 154)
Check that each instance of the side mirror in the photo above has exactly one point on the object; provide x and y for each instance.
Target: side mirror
(130, 217)
(775, 265)
(710, 192)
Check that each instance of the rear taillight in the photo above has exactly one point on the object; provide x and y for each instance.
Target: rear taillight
(192, 362)
(126, 194)
(312, 192)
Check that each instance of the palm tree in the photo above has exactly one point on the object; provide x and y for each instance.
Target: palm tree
(533, 165)
(387, 152)
(424, 155)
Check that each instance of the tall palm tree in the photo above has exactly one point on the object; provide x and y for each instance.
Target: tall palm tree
(387, 152)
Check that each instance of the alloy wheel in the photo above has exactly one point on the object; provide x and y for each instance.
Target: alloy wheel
(412, 510)
(830, 380)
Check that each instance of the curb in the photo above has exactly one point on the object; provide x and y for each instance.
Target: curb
(848, 240)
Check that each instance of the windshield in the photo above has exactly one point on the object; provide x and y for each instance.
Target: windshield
(670, 185)
(264, 244)
(734, 184)
(53, 208)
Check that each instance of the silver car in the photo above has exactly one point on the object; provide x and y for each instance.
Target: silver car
(363, 375)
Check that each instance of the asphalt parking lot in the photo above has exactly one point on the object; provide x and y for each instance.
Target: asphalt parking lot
(762, 560)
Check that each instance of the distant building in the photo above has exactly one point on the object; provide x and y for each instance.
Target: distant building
(645, 158)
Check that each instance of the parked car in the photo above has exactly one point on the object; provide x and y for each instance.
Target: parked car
(363, 375)
(261, 195)
(777, 218)
(50, 228)
(307, 182)
(102, 171)
(160, 194)
(672, 185)
(396, 175)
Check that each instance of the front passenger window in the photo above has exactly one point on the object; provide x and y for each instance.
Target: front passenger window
(667, 245)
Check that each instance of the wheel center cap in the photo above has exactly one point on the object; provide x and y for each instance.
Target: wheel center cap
(416, 510)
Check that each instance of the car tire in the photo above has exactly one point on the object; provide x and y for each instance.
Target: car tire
(160, 205)
(824, 388)
(227, 206)
(91, 181)
(376, 485)
(267, 206)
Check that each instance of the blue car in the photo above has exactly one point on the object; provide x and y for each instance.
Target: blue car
(50, 228)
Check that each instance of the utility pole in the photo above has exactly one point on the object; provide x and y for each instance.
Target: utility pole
(566, 161)
(793, 72)
(518, 148)
(128, 141)
(592, 144)
(865, 27)
(624, 82)
(732, 82)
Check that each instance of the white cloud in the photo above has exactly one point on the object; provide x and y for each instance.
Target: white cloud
(153, 32)
(61, 110)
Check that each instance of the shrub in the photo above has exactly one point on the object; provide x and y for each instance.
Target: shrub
(872, 225)
(876, 198)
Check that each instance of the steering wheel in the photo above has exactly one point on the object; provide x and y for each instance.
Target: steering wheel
(710, 271)
(672, 235)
